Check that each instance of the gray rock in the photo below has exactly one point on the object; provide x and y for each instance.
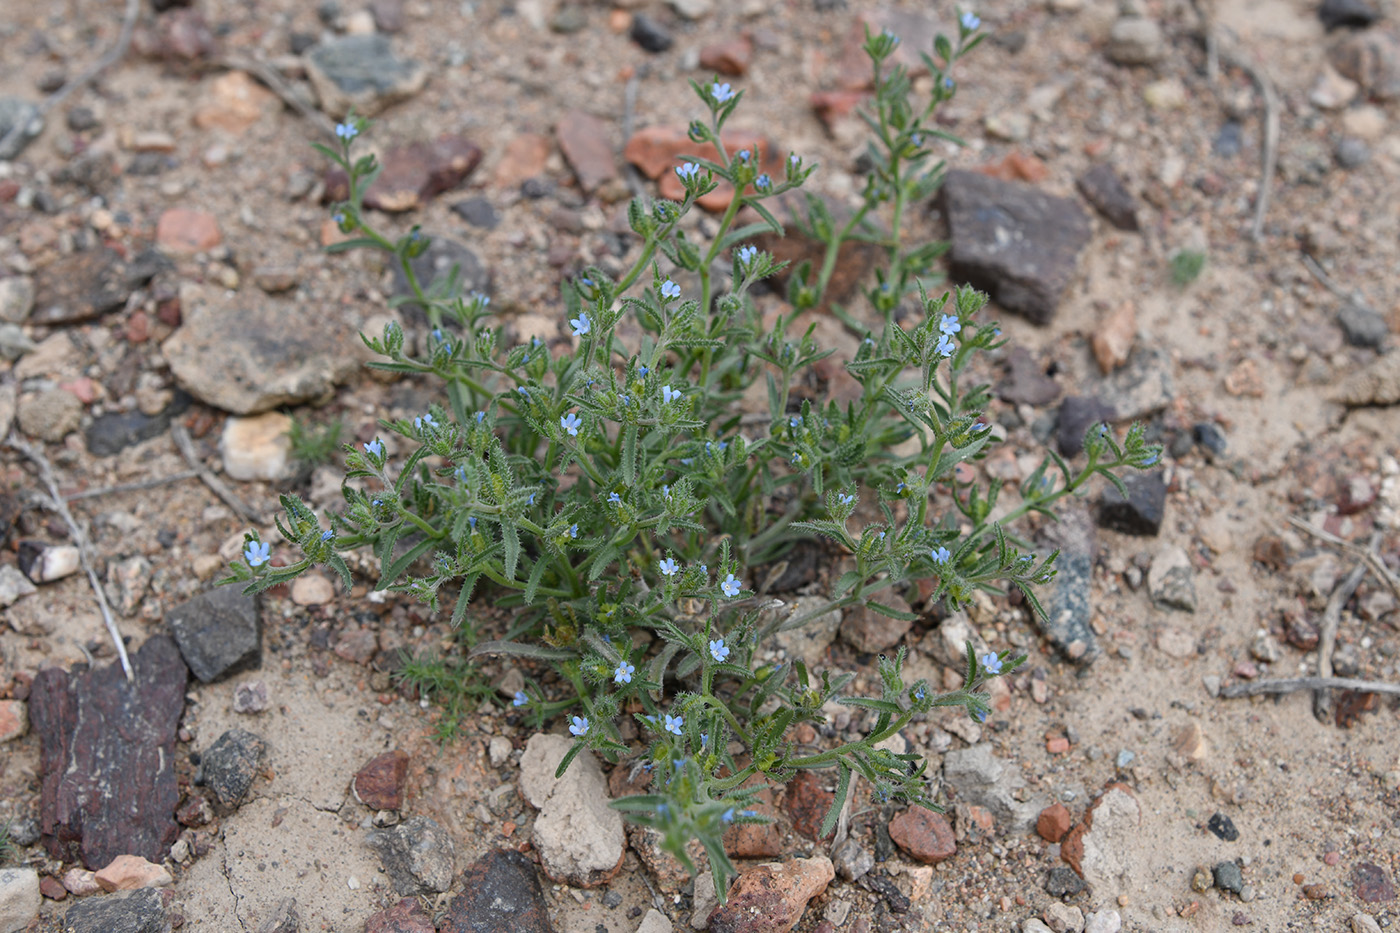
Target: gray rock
(1171, 581)
(981, 779)
(478, 212)
(650, 34)
(229, 766)
(24, 832)
(499, 891)
(852, 859)
(1141, 512)
(1103, 921)
(361, 72)
(1362, 327)
(248, 355)
(1143, 385)
(810, 641)
(1026, 382)
(283, 919)
(1136, 40)
(16, 298)
(580, 838)
(1228, 877)
(872, 631)
(19, 898)
(50, 415)
(1102, 188)
(1209, 436)
(140, 911)
(9, 401)
(15, 112)
(113, 432)
(14, 342)
(1067, 600)
(1078, 413)
(418, 855)
(1352, 14)
(1352, 152)
(86, 285)
(1061, 881)
(219, 632)
(1016, 242)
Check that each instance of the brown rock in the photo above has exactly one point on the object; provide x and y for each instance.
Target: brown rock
(524, 157)
(185, 231)
(772, 897)
(1190, 743)
(379, 784)
(730, 57)
(833, 106)
(234, 102)
(388, 15)
(925, 835)
(499, 891)
(807, 801)
(52, 888)
(586, 142)
(756, 840)
(1026, 382)
(1016, 166)
(407, 916)
(357, 645)
(1053, 823)
(1113, 340)
(14, 719)
(179, 35)
(1377, 384)
(1372, 59)
(85, 285)
(1372, 885)
(657, 150)
(870, 630)
(1092, 857)
(854, 260)
(916, 33)
(80, 881)
(130, 872)
(416, 173)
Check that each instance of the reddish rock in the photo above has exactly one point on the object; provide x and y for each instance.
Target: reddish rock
(407, 916)
(832, 106)
(14, 720)
(586, 142)
(1057, 745)
(131, 872)
(807, 802)
(854, 259)
(1016, 166)
(925, 835)
(1053, 822)
(755, 840)
(731, 57)
(179, 35)
(52, 888)
(524, 157)
(872, 631)
(657, 150)
(195, 811)
(416, 173)
(379, 784)
(234, 103)
(772, 897)
(357, 645)
(1113, 340)
(1372, 885)
(186, 231)
(915, 31)
(80, 881)
(500, 891)
(1357, 494)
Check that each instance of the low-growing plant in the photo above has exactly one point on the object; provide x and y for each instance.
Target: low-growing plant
(315, 444)
(612, 493)
(1187, 266)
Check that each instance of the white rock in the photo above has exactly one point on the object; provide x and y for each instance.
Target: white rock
(691, 9)
(499, 750)
(1136, 41)
(1033, 925)
(655, 922)
(1364, 923)
(19, 898)
(705, 900)
(1116, 835)
(16, 298)
(1105, 921)
(13, 586)
(1063, 918)
(312, 589)
(579, 837)
(257, 448)
(46, 563)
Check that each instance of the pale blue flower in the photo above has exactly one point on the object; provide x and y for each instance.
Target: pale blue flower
(743, 155)
(666, 491)
(795, 421)
(571, 423)
(327, 534)
(339, 218)
(1149, 459)
(670, 289)
(520, 698)
(727, 816)
(704, 568)
(981, 426)
(950, 324)
(970, 22)
(721, 93)
(531, 500)
(718, 649)
(614, 498)
(669, 395)
(746, 255)
(580, 726)
(480, 417)
(573, 530)
(669, 567)
(980, 715)
(919, 693)
(624, 672)
(257, 553)
(461, 473)
(523, 391)
(794, 160)
(845, 498)
(689, 171)
(580, 324)
(673, 724)
(990, 662)
(940, 555)
(731, 586)
(948, 83)
(375, 448)
(424, 421)
(347, 131)
(893, 39)
(642, 370)
(900, 488)
(763, 184)
(471, 520)
(945, 346)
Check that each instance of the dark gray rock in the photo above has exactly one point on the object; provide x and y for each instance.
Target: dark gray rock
(219, 632)
(1352, 152)
(140, 911)
(418, 855)
(361, 72)
(1102, 188)
(229, 766)
(1067, 600)
(107, 756)
(1141, 512)
(1362, 327)
(1026, 382)
(1229, 140)
(1209, 436)
(478, 212)
(1228, 877)
(86, 285)
(113, 432)
(1171, 581)
(15, 112)
(650, 34)
(1077, 415)
(500, 891)
(1349, 14)
(1063, 882)
(1014, 241)
(434, 266)
(1223, 827)
(24, 832)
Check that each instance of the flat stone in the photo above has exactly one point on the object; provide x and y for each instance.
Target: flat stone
(756, 840)
(234, 102)
(649, 34)
(1362, 327)
(250, 355)
(500, 891)
(85, 285)
(983, 780)
(81, 882)
(925, 835)
(579, 837)
(50, 415)
(140, 911)
(16, 112)
(1103, 921)
(809, 641)
(1098, 848)
(283, 918)
(1062, 918)
(416, 173)
(229, 766)
(16, 298)
(1062, 881)
(807, 800)
(407, 916)
(873, 631)
(315, 589)
(1142, 387)
(219, 632)
(771, 898)
(131, 872)
(111, 433)
(852, 859)
(478, 212)
(1068, 599)
(1112, 341)
(586, 142)
(250, 697)
(14, 343)
(1053, 822)
(185, 231)
(1227, 877)
(379, 785)
(1079, 413)
(107, 756)
(1135, 40)
(1026, 382)
(524, 157)
(1171, 580)
(418, 855)
(1141, 512)
(1015, 242)
(258, 447)
(361, 72)
(655, 922)
(14, 720)
(20, 898)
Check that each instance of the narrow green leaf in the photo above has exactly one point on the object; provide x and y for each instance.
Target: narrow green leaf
(843, 787)
(521, 650)
(510, 538)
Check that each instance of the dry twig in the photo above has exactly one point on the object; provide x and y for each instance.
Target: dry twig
(182, 441)
(1372, 559)
(132, 487)
(54, 501)
(1294, 684)
(1352, 298)
(1331, 618)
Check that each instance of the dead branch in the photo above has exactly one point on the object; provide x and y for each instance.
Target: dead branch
(1294, 684)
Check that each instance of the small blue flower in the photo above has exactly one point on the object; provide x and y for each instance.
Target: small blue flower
(424, 421)
(662, 810)
(731, 586)
(950, 324)
(940, 555)
(948, 83)
(471, 520)
(763, 184)
(796, 458)
(669, 395)
(746, 255)
(980, 715)
(900, 488)
(721, 93)
(624, 672)
(375, 448)
(981, 426)
(461, 473)
(642, 370)
(666, 491)
(689, 171)
(795, 421)
(704, 568)
(347, 131)
(524, 392)
(531, 500)
(917, 139)
(743, 155)
(945, 346)
(718, 649)
(669, 567)
(376, 502)
(339, 218)
(893, 39)
(580, 726)
(845, 498)
(670, 289)
(257, 553)
(727, 816)
(1149, 459)
(919, 693)
(794, 160)
(480, 417)
(626, 399)
(327, 534)
(970, 22)
(580, 324)
(520, 698)
(437, 334)
(525, 358)
(673, 724)
(614, 498)
(704, 739)
(571, 423)
(990, 662)
(573, 530)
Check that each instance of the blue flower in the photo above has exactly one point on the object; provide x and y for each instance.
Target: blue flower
(970, 22)
(669, 567)
(704, 739)
(624, 672)
(688, 171)
(900, 488)
(614, 498)
(1150, 459)
(743, 155)
(795, 421)
(669, 394)
(327, 534)
(347, 131)
(794, 160)
(718, 649)
(673, 724)
(666, 491)
(980, 715)
(571, 423)
(461, 473)
(763, 183)
(573, 530)
(531, 500)
(917, 139)
(704, 568)
(727, 816)
(626, 399)
(375, 448)
(721, 93)
(480, 417)
(376, 502)
(981, 426)
(580, 324)
(525, 358)
(948, 83)
(670, 289)
(845, 498)
(520, 698)
(950, 324)
(918, 693)
(662, 810)
(945, 346)
(257, 553)
(471, 520)
(731, 586)
(893, 39)
(580, 726)
(940, 555)
(424, 421)
(524, 392)
(746, 255)
(339, 218)
(642, 370)
(990, 662)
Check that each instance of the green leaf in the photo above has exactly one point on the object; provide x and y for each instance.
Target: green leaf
(890, 611)
(391, 572)
(567, 760)
(532, 584)
(843, 787)
(629, 455)
(356, 243)
(510, 537)
(880, 706)
(519, 650)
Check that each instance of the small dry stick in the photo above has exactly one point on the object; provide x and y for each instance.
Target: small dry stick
(182, 441)
(1294, 684)
(1352, 298)
(54, 501)
(132, 487)
(1331, 618)
(1372, 559)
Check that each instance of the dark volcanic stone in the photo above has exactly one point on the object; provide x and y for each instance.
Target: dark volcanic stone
(1026, 382)
(1362, 327)
(140, 911)
(435, 265)
(114, 432)
(219, 632)
(880, 883)
(1014, 241)
(1352, 14)
(1067, 599)
(1209, 436)
(650, 34)
(1140, 513)
(500, 891)
(1077, 414)
(478, 212)
(107, 756)
(1102, 188)
(418, 855)
(1372, 886)
(1063, 882)
(229, 766)
(1228, 877)
(82, 286)
(1223, 827)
